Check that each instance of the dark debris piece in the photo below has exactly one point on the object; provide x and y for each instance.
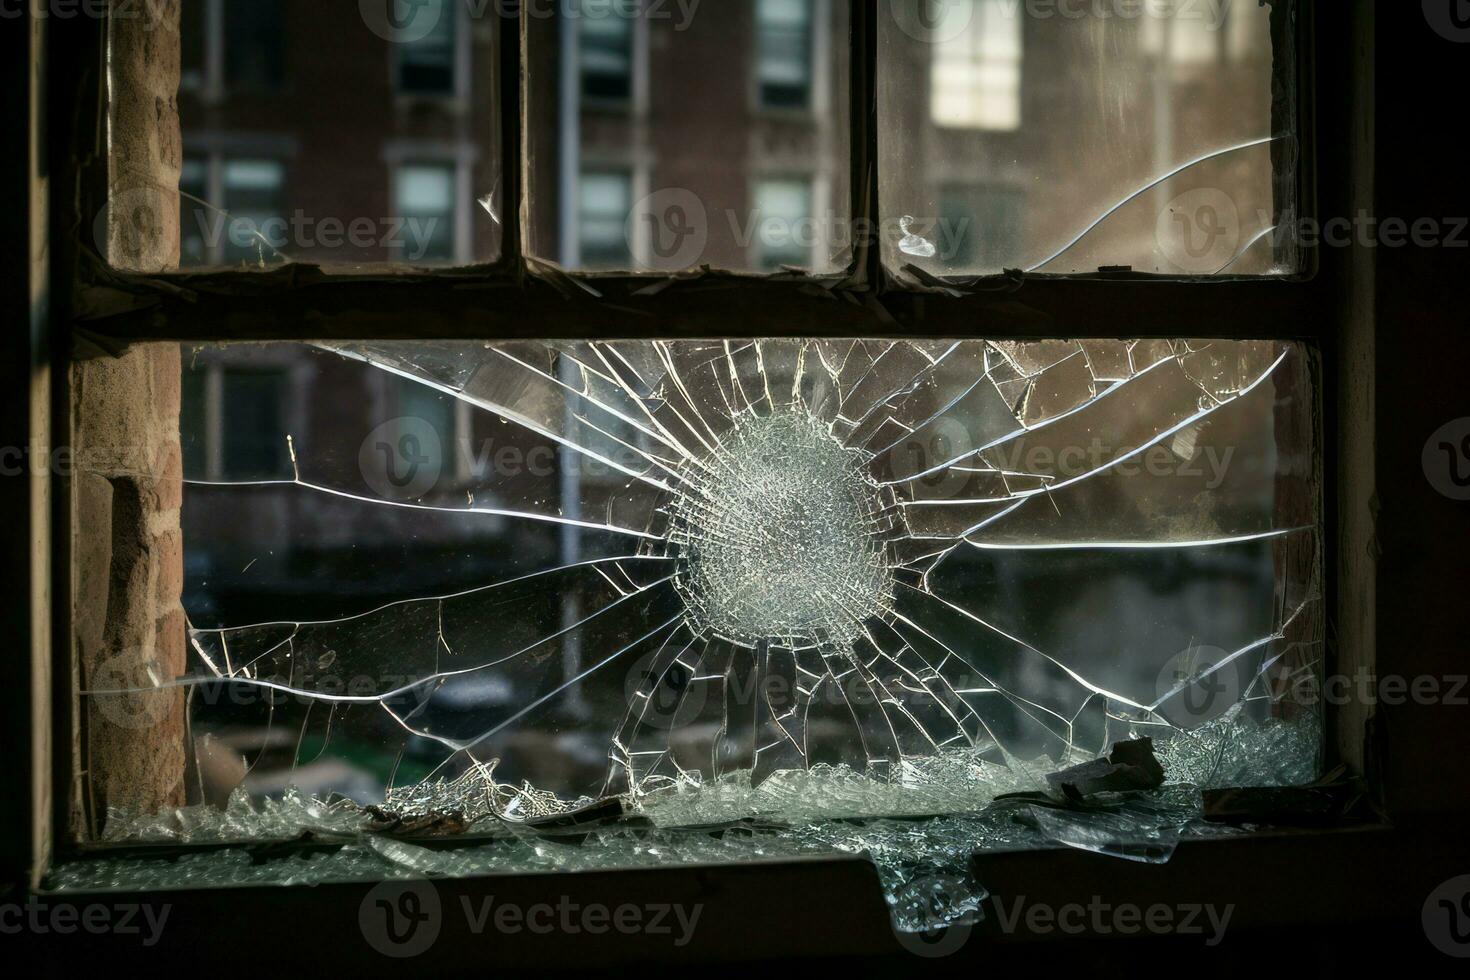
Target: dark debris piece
(1129, 766)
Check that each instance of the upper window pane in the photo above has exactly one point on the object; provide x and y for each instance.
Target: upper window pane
(312, 132)
(664, 137)
(1057, 139)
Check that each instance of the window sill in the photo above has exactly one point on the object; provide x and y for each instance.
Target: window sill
(1271, 880)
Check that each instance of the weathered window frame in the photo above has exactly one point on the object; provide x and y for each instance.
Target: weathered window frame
(95, 309)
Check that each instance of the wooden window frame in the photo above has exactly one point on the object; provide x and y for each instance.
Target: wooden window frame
(94, 308)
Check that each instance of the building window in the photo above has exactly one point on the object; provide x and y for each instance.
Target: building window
(784, 53)
(1185, 41)
(783, 224)
(254, 44)
(252, 431)
(255, 203)
(235, 45)
(977, 223)
(231, 210)
(427, 66)
(976, 74)
(604, 199)
(232, 424)
(194, 22)
(194, 217)
(606, 40)
(439, 413)
(423, 199)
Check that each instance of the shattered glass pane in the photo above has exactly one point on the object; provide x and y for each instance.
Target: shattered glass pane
(1054, 138)
(535, 587)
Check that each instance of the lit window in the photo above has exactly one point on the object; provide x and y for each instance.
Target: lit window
(1186, 40)
(784, 62)
(603, 202)
(783, 216)
(976, 75)
(423, 196)
(607, 54)
(1247, 36)
(426, 66)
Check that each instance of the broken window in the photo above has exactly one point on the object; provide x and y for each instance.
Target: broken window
(721, 578)
(511, 590)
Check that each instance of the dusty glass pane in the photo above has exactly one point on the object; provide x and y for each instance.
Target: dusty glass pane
(669, 136)
(717, 578)
(333, 133)
(1063, 138)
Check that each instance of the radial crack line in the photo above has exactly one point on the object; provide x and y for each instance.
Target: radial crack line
(408, 505)
(269, 685)
(461, 746)
(1022, 643)
(1148, 187)
(1044, 424)
(442, 598)
(589, 398)
(1024, 495)
(1138, 545)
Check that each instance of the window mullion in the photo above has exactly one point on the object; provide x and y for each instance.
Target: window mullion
(511, 38)
(863, 94)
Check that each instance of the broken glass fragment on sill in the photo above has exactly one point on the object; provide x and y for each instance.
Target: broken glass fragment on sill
(925, 867)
